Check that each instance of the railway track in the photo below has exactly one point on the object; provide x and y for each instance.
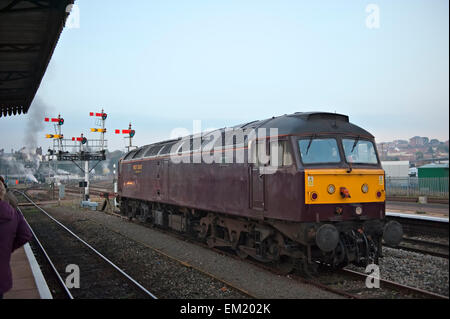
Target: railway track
(100, 277)
(427, 247)
(352, 284)
(347, 283)
(420, 226)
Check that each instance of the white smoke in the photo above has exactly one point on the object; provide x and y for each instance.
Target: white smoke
(35, 123)
(17, 168)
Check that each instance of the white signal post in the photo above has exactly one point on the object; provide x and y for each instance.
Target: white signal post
(130, 133)
(130, 136)
(58, 126)
(86, 170)
(103, 117)
(59, 121)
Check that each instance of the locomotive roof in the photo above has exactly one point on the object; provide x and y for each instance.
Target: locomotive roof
(309, 123)
(298, 123)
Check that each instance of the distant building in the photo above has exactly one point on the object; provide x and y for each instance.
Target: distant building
(434, 142)
(396, 168)
(433, 170)
(401, 143)
(434, 177)
(418, 141)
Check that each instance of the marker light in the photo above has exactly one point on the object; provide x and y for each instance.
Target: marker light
(365, 188)
(314, 196)
(379, 194)
(331, 189)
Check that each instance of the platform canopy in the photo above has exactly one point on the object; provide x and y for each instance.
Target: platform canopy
(29, 32)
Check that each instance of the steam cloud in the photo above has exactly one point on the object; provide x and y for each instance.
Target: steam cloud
(35, 123)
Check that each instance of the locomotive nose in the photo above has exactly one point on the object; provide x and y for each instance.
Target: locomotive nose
(392, 233)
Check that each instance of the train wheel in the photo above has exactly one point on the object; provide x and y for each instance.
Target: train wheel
(308, 270)
(285, 264)
(241, 254)
(211, 242)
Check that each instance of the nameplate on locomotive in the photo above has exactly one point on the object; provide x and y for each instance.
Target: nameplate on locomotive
(137, 168)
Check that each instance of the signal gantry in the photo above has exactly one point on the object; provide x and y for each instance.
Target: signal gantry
(83, 149)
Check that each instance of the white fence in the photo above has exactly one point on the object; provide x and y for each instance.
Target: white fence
(414, 186)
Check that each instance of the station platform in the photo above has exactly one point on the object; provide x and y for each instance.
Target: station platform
(28, 281)
(431, 210)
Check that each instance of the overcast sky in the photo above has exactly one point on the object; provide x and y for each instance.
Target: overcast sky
(162, 64)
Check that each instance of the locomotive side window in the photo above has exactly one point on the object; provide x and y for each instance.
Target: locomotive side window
(283, 153)
(166, 149)
(139, 153)
(196, 144)
(258, 152)
(184, 146)
(359, 151)
(319, 150)
(129, 155)
(153, 150)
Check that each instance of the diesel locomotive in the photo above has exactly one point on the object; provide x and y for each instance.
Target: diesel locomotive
(310, 194)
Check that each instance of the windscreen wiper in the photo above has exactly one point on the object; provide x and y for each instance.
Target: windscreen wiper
(309, 144)
(354, 144)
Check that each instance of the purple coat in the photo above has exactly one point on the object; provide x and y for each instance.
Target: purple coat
(14, 233)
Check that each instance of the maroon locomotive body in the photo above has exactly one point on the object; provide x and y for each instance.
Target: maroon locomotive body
(322, 201)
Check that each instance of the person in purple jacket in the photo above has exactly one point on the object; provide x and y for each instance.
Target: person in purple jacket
(14, 233)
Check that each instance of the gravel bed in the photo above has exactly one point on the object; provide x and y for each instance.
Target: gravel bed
(413, 269)
(163, 277)
(258, 282)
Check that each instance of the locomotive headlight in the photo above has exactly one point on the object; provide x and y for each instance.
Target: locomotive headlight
(331, 189)
(358, 210)
(365, 188)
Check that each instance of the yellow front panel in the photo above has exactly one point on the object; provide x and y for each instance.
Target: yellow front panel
(318, 180)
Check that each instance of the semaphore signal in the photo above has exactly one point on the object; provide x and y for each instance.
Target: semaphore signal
(130, 133)
(54, 136)
(81, 139)
(102, 115)
(58, 136)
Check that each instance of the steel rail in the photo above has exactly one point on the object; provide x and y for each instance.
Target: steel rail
(397, 286)
(61, 281)
(235, 257)
(310, 281)
(425, 242)
(94, 250)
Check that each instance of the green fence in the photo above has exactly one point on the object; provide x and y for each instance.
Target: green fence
(414, 186)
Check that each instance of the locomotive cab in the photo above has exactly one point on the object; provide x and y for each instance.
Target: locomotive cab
(344, 191)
